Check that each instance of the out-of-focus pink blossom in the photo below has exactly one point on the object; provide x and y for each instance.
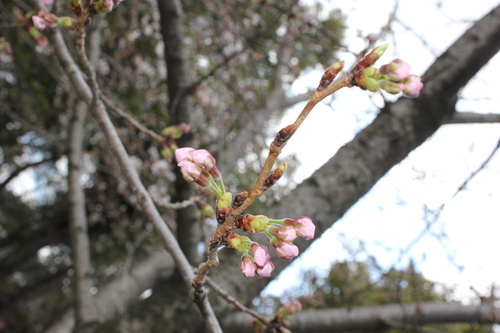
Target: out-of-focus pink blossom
(183, 154)
(108, 4)
(44, 19)
(260, 254)
(286, 250)
(266, 270)
(412, 86)
(39, 23)
(247, 266)
(294, 307)
(40, 39)
(47, 3)
(286, 233)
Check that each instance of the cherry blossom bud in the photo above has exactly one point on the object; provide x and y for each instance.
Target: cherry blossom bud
(274, 177)
(305, 227)
(40, 39)
(398, 70)
(240, 243)
(266, 270)
(203, 158)
(286, 250)
(76, 6)
(183, 154)
(412, 86)
(206, 210)
(38, 22)
(190, 171)
(259, 223)
(102, 6)
(247, 266)
(223, 206)
(329, 75)
(253, 224)
(239, 199)
(260, 254)
(286, 233)
(391, 87)
(44, 19)
(67, 22)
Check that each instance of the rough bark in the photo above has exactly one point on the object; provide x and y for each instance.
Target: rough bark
(407, 316)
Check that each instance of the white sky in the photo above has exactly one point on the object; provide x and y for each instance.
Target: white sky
(391, 215)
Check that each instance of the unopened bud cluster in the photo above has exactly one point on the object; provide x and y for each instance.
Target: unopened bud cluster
(198, 166)
(393, 77)
(44, 19)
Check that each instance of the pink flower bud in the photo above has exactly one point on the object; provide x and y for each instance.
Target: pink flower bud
(108, 4)
(304, 227)
(203, 158)
(190, 171)
(260, 254)
(247, 267)
(412, 86)
(398, 70)
(266, 270)
(183, 154)
(294, 307)
(286, 233)
(286, 250)
(39, 22)
(49, 18)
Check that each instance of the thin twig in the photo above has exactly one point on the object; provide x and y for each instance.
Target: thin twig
(224, 294)
(131, 119)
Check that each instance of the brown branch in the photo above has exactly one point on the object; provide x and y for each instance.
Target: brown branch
(225, 295)
(473, 118)
(376, 317)
(158, 138)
